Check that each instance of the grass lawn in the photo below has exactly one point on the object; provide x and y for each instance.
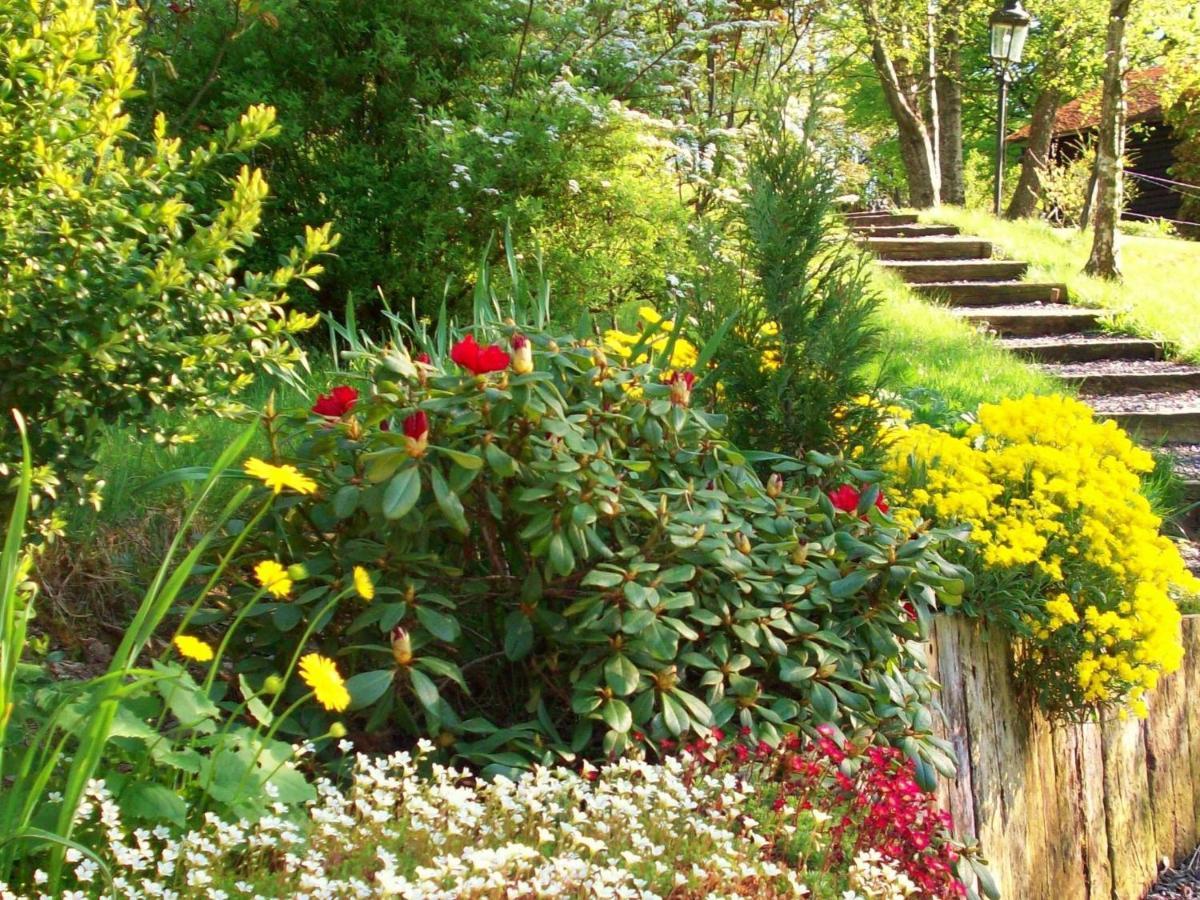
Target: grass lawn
(1158, 298)
(931, 351)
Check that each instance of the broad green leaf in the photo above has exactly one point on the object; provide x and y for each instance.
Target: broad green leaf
(616, 715)
(518, 635)
(823, 702)
(449, 503)
(367, 687)
(424, 688)
(402, 494)
(440, 625)
(153, 802)
(621, 674)
(794, 673)
(466, 460)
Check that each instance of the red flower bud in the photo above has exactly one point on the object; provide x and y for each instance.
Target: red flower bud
(681, 387)
(401, 646)
(416, 434)
(336, 403)
(416, 426)
(522, 355)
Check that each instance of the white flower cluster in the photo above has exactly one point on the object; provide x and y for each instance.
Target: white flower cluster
(873, 877)
(409, 828)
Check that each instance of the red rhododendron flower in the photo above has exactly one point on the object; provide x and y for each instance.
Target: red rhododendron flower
(845, 498)
(479, 360)
(337, 402)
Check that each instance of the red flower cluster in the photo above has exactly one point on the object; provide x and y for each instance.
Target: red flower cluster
(880, 807)
(479, 360)
(871, 794)
(336, 403)
(846, 499)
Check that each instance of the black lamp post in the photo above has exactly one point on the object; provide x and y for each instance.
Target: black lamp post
(1010, 27)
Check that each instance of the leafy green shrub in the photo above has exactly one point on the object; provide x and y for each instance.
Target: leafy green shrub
(121, 291)
(422, 129)
(556, 554)
(805, 330)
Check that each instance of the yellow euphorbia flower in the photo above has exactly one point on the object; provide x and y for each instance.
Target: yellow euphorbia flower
(1051, 494)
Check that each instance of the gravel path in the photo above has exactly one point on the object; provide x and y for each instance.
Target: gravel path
(1176, 401)
(1182, 883)
(1120, 367)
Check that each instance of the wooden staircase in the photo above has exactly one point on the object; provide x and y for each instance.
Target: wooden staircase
(1124, 377)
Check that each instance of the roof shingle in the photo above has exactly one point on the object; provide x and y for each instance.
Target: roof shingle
(1143, 100)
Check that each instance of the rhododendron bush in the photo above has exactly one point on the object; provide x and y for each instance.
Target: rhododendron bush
(1066, 546)
(559, 555)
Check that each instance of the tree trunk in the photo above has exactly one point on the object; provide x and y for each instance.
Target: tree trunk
(918, 146)
(1037, 155)
(950, 108)
(1105, 260)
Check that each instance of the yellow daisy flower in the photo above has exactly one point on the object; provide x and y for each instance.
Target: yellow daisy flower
(273, 577)
(279, 477)
(363, 585)
(193, 648)
(321, 674)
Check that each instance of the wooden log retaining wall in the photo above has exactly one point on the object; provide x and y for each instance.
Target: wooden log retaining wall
(1073, 812)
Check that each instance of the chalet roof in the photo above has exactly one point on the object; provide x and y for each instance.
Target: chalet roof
(1143, 100)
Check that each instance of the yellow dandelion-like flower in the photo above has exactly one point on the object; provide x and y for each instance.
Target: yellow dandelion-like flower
(273, 577)
(321, 674)
(193, 648)
(363, 585)
(279, 477)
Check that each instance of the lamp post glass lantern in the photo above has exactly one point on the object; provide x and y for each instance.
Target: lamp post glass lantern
(1010, 28)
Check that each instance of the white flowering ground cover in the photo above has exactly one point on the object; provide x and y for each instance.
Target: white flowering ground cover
(409, 828)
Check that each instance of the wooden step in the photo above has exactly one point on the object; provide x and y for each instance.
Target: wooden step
(993, 293)
(907, 231)
(1078, 348)
(1123, 377)
(1155, 418)
(930, 248)
(1032, 319)
(963, 270)
(1186, 458)
(882, 220)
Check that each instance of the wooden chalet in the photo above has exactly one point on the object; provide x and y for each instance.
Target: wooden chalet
(1150, 143)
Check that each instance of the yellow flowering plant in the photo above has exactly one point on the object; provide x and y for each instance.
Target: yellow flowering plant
(656, 340)
(1067, 548)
